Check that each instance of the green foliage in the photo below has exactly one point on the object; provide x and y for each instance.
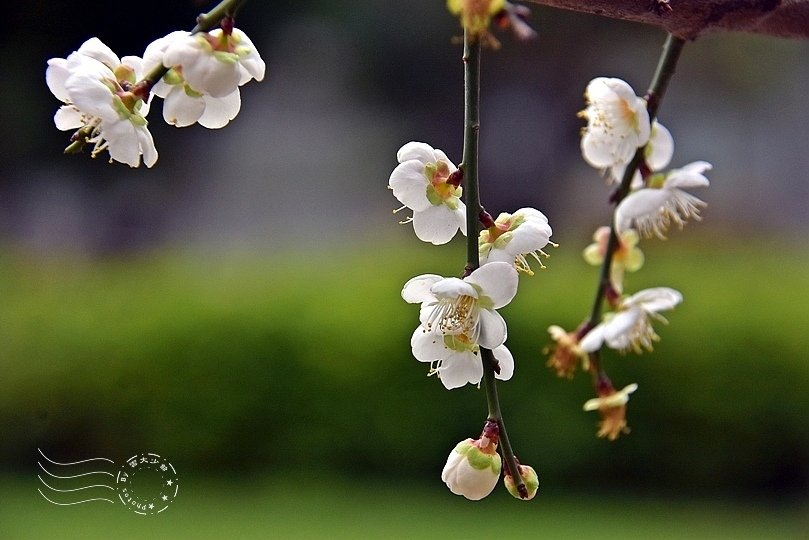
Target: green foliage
(303, 507)
(283, 363)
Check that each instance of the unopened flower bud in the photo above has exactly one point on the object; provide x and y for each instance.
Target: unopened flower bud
(473, 468)
(529, 478)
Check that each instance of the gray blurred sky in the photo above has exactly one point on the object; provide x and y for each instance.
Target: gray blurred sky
(308, 158)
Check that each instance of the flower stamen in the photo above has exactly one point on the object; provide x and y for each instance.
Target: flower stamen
(455, 316)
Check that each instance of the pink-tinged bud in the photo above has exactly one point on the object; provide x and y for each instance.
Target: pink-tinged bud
(473, 468)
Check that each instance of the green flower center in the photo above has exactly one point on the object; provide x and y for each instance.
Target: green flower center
(438, 190)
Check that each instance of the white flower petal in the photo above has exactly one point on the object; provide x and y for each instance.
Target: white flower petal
(460, 368)
(496, 255)
(219, 111)
(661, 147)
(689, 176)
(506, 362)
(593, 340)
(200, 67)
(493, 331)
(530, 236)
(155, 51)
(655, 299)
(640, 204)
(497, 281)
(146, 145)
(91, 96)
(437, 224)
(697, 167)
(55, 76)
(409, 185)
(617, 329)
(428, 346)
(530, 214)
(417, 289)
(596, 152)
(453, 287)
(249, 59)
(617, 399)
(162, 89)
(95, 48)
(460, 217)
(180, 109)
(419, 151)
(122, 142)
(67, 118)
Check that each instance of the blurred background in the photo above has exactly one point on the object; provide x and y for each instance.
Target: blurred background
(236, 308)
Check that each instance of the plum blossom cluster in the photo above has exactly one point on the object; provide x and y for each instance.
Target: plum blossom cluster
(102, 103)
(633, 150)
(458, 319)
(460, 333)
(106, 99)
(458, 316)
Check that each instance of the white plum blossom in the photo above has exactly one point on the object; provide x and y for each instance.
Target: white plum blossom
(183, 104)
(657, 154)
(513, 236)
(617, 123)
(472, 468)
(96, 89)
(420, 182)
(630, 327)
(456, 359)
(465, 307)
(214, 63)
(651, 210)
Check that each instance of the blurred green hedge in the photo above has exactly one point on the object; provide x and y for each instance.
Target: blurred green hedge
(301, 361)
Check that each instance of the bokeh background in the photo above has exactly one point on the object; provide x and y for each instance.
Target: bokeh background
(236, 308)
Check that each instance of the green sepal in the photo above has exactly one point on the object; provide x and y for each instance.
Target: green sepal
(226, 57)
(478, 459)
(433, 196)
(190, 92)
(173, 77)
(656, 181)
